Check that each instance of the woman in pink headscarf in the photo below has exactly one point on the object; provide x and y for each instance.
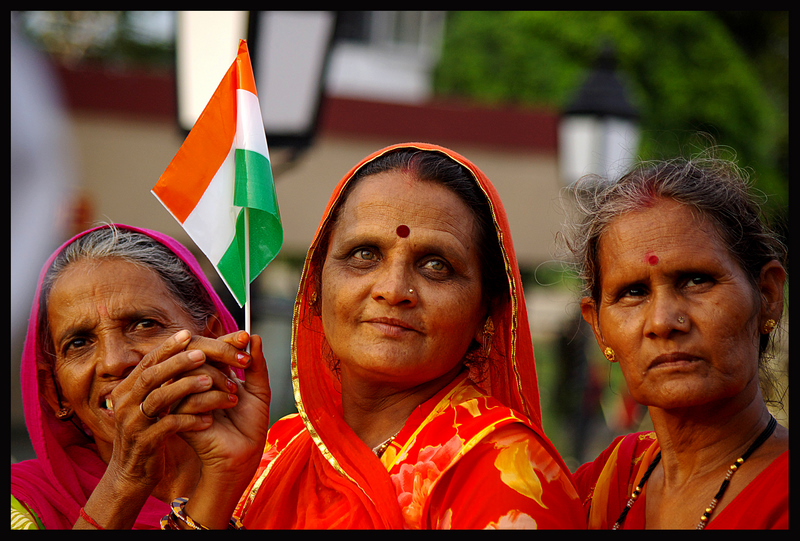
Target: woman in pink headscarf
(119, 314)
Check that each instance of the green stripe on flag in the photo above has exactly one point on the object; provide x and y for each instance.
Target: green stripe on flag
(231, 266)
(254, 189)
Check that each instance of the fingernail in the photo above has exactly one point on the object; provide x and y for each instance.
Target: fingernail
(196, 355)
(233, 398)
(243, 337)
(232, 385)
(182, 336)
(243, 359)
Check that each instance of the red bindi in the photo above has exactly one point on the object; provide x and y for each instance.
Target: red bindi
(403, 231)
(651, 258)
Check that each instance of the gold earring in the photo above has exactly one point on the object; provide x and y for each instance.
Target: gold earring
(769, 326)
(488, 333)
(610, 355)
(64, 414)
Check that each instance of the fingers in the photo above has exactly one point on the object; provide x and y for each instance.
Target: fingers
(171, 346)
(189, 375)
(257, 380)
(228, 349)
(163, 399)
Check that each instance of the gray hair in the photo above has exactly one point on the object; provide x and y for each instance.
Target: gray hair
(138, 249)
(714, 188)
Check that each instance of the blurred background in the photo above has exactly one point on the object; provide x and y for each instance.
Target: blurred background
(102, 100)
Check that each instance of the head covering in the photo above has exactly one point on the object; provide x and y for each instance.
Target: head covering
(66, 470)
(318, 396)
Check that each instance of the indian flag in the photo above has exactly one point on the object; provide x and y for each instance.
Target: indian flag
(219, 185)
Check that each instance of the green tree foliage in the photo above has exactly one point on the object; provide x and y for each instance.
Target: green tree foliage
(685, 72)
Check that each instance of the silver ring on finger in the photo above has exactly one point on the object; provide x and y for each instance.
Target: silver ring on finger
(141, 408)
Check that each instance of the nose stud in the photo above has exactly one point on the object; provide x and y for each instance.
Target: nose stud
(681, 319)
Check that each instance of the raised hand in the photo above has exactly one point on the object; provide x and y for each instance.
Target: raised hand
(230, 449)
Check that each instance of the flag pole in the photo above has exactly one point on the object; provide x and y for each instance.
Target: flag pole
(247, 271)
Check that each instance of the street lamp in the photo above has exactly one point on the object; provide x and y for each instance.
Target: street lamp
(289, 52)
(598, 132)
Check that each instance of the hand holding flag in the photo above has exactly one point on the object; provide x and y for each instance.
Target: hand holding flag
(219, 185)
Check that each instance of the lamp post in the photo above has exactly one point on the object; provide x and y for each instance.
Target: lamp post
(598, 132)
(289, 52)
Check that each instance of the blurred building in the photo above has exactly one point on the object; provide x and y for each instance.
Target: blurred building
(377, 91)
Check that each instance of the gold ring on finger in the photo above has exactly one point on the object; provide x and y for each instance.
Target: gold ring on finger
(141, 408)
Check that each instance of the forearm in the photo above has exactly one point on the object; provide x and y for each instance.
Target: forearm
(215, 499)
(114, 504)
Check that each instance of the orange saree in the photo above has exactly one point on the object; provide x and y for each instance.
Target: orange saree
(606, 484)
(472, 456)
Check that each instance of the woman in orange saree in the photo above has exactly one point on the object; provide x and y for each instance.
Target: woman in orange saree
(470, 452)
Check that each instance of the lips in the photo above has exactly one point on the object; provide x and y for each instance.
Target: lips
(673, 360)
(392, 325)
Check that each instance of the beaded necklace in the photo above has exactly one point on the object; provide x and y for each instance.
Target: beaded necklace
(706, 516)
(379, 449)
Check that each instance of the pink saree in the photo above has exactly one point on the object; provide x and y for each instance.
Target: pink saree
(67, 468)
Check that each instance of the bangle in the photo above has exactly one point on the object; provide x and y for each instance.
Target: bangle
(170, 522)
(177, 509)
(89, 519)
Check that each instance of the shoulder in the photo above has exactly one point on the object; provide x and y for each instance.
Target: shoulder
(764, 502)
(284, 430)
(624, 451)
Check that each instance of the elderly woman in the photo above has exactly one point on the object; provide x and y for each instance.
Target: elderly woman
(111, 328)
(684, 286)
(412, 366)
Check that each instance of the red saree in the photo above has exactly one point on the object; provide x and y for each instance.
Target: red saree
(606, 484)
(473, 456)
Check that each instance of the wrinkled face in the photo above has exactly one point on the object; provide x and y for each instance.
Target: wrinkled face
(401, 282)
(104, 317)
(678, 311)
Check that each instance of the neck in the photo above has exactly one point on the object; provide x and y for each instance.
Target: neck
(378, 412)
(695, 441)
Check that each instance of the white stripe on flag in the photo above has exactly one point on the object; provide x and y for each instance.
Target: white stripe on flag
(249, 126)
(212, 223)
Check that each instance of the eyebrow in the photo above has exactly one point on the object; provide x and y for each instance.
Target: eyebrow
(85, 326)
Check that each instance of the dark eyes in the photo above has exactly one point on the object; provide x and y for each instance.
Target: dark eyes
(145, 324)
(687, 282)
(76, 344)
(698, 280)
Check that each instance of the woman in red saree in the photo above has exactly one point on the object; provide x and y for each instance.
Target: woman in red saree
(467, 449)
(684, 288)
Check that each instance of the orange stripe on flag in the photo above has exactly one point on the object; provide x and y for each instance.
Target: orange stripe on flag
(246, 79)
(202, 153)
